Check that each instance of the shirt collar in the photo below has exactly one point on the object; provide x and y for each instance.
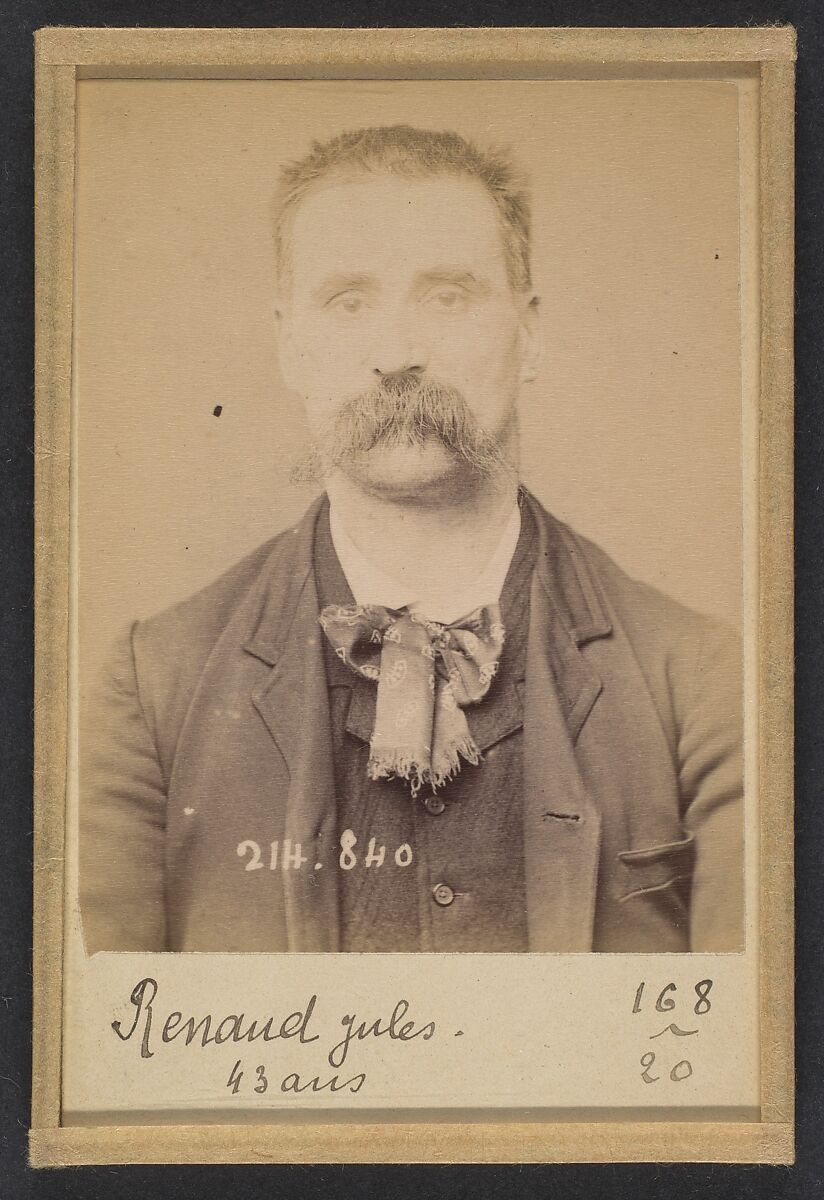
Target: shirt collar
(371, 585)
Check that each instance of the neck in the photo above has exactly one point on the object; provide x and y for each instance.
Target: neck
(426, 545)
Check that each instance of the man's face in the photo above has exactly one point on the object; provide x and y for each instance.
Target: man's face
(396, 277)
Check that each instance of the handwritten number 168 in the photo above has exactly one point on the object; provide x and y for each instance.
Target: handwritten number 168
(665, 1001)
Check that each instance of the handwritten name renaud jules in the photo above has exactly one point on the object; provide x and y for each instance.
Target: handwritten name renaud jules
(208, 1030)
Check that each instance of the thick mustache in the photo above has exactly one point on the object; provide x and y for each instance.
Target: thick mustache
(404, 410)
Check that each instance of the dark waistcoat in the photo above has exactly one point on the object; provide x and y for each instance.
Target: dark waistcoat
(440, 871)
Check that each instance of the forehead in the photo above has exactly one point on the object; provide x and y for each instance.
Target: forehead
(381, 224)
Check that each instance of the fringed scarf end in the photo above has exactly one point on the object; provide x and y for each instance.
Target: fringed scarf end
(397, 765)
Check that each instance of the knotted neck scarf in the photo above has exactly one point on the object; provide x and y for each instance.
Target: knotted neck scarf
(426, 674)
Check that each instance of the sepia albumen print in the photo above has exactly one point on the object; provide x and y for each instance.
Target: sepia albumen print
(192, 424)
(430, 713)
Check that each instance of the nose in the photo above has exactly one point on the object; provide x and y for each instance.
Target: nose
(397, 350)
(401, 373)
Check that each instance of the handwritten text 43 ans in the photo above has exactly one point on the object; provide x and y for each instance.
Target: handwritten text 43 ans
(298, 1027)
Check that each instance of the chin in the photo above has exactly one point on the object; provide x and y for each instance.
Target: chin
(426, 474)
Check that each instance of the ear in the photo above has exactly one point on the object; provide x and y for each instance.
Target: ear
(284, 340)
(532, 338)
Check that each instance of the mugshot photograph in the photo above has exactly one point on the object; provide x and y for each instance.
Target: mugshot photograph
(430, 716)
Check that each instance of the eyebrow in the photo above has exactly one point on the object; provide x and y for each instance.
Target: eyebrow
(457, 275)
(342, 283)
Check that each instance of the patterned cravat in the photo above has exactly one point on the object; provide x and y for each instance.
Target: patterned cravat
(426, 674)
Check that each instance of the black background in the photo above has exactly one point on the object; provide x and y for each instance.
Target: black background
(806, 1178)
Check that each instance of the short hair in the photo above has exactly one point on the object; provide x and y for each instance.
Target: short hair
(411, 153)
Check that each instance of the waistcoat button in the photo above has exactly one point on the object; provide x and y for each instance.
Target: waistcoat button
(434, 804)
(443, 894)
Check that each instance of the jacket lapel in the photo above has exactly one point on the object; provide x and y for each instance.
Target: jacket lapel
(562, 825)
(293, 703)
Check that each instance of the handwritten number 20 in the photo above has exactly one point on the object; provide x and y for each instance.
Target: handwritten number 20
(682, 1070)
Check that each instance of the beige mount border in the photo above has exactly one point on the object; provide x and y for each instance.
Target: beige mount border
(64, 55)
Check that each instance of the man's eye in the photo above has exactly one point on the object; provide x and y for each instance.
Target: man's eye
(450, 299)
(348, 302)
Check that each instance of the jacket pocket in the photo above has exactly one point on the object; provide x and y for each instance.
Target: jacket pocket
(654, 868)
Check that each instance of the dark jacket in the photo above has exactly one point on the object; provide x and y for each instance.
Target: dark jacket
(213, 731)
